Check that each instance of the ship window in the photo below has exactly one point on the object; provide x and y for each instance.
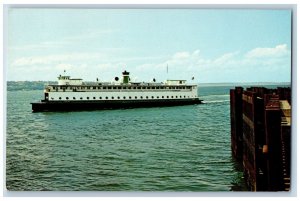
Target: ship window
(172, 97)
(94, 87)
(144, 87)
(119, 87)
(106, 97)
(139, 87)
(146, 97)
(114, 87)
(94, 98)
(152, 87)
(104, 87)
(67, 98)
(87, 97)
(135, 97)
(80, 98)
(61, 87)
(124, 97)
(59, 98)
(134, 87)
(108, 87)
(141, 97)
(162, 97)
(176, 96)
(184, 96)
(152, 96)
(180, 96)
(74, 98)
(129, 97)
(167, 96)
(112, 97)
(99, 87)
(148, 87)
(100, 97)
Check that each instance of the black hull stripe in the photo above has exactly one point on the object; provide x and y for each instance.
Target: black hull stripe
(107, 104)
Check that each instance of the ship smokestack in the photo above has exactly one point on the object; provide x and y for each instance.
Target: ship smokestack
(125, 77)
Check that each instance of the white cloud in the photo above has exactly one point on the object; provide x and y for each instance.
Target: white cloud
(181, 55)
(52, 59)
(40, 46)
(91, 34)
(225, 59)
(278, 51)
(231, 65)
(66, 41)
(268, 63)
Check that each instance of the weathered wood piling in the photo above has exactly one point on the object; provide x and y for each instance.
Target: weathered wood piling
(261, 135)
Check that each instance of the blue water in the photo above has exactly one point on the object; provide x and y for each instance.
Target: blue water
(182, 148)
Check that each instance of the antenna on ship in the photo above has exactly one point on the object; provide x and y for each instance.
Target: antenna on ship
(167, 71)
(167, 68)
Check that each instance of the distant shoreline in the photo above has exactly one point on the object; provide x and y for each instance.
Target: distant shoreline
(245, 84)
(39, 85)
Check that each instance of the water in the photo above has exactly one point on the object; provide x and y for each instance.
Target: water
(184, 148)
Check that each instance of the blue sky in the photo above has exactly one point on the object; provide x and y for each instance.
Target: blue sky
(212, 45)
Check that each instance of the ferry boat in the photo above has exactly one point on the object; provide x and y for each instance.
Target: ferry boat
(74, 94)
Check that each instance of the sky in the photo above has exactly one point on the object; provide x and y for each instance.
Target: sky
(211, 45)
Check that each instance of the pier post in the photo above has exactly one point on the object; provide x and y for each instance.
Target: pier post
(273, 142)
(260, 136)
(236, 109)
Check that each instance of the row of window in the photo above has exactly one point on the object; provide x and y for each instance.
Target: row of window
(124, 97)
(119, 87)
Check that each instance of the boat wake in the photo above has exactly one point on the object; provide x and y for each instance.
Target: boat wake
(211, 99)
(215, 101)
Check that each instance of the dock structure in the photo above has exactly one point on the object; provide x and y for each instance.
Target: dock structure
(261, 134)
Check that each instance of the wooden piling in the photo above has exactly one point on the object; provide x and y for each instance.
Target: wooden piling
(260, 136)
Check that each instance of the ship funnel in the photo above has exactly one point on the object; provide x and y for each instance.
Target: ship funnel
(125, 77)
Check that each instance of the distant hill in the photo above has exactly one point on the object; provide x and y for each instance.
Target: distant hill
(27, 85)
